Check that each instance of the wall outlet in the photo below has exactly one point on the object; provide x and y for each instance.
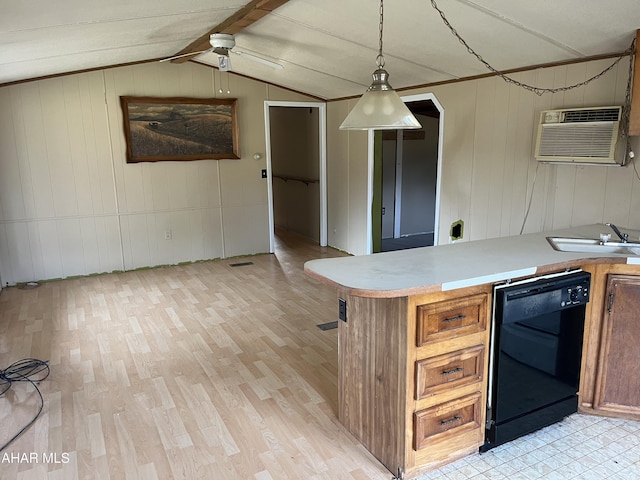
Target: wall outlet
(457, 231)
(342, 309)
(168, 235)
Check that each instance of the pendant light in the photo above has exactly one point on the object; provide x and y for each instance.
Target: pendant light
(380, 107)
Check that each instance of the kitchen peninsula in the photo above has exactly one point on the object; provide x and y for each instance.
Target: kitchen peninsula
(413, 347)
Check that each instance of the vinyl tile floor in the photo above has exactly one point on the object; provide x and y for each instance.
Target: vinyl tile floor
(583, 447)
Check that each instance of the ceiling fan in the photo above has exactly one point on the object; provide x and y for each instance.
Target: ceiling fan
(222, 45)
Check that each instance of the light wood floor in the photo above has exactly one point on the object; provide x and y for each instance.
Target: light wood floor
(185, 372)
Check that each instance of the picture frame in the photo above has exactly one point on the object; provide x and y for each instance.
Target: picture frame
(180, 128)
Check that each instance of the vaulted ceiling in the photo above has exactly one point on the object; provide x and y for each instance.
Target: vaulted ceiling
(328, 48)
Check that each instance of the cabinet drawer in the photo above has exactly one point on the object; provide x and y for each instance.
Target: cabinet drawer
(446, 420)
(447, 371)
(443, 320)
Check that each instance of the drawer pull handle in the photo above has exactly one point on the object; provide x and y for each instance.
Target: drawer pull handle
(454, 319)
(452, 371)
(450, 421)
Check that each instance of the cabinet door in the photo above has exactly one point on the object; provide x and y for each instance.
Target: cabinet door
(618, 382)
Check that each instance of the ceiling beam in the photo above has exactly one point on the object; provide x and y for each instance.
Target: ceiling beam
(247, 15)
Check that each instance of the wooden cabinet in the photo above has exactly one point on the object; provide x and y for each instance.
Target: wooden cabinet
(450, 369)
(609, 382)
(412, 376)
(617, 383)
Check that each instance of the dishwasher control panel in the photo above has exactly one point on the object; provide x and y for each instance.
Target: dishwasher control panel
(575, 295)
(542, 295)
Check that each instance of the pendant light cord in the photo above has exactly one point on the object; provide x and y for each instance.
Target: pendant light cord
(380, 57)
(532, 88)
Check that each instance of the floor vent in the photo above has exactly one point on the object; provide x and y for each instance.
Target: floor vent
(241, 264)
(328, 326)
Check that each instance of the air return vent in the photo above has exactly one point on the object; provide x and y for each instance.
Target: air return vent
(579, 135)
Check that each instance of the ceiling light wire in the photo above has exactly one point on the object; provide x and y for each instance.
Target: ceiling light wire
(380, 57)
(531, 88)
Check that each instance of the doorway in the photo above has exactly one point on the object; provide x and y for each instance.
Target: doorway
(407, 180)
(296, 169)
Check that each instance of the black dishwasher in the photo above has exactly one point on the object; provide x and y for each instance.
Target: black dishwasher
(535, 354)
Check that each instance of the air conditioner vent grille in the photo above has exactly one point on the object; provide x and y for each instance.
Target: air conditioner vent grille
(584, 141)
(595, 115)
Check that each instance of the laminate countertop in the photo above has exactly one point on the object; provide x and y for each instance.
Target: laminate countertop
(458, 265)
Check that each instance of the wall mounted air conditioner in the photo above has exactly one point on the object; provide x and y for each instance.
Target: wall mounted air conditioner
(579, 136)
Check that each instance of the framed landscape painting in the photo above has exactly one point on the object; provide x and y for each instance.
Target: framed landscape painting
(179, 129)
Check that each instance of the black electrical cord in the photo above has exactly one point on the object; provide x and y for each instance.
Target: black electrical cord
(29, 370)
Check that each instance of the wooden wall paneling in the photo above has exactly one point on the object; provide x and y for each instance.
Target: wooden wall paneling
(481, 161)
(148, 80)
(150, 177)
(48, 242)
(520, 151)
(92, 254)
(32, 246)
(501, 166)
(71, 247)
(337, 176)
(457, 150)
(178, 191)
(57, 144)
(589, 195)
(17, 253)
(36, 151)
(158, 186)
(575, 97)
(130, 192)
(134, 241)
(98, 138)
(242, 228)
(10, 184)
(6, 271)
(91, 183)
(513, 175)
(27, 184)
(618, 196)
(541, 176)
(611, 88)
(561, 180)
(376, 363)
(78, 156)
(358, 194)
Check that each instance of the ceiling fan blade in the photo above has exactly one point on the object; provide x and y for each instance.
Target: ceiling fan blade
(193, 54)
(255, 58)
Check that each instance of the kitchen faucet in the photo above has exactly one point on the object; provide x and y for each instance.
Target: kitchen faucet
(624, 237)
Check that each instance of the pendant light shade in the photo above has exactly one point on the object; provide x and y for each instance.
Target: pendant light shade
(380, 107)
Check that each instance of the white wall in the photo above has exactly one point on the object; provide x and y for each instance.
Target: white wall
(295, 153)
(488, 168)
(71, 205)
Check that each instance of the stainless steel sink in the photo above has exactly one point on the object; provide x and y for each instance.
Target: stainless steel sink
(590, 245)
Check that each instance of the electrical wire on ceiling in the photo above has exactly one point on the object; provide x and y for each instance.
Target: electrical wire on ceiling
(29, 370)
(537, 90)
